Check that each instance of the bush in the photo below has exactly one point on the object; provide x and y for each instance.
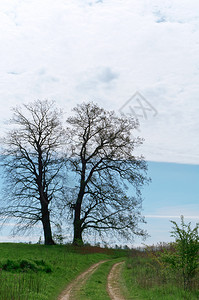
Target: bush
(184, 258)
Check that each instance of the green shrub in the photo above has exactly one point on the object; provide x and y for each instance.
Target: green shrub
(184, 258)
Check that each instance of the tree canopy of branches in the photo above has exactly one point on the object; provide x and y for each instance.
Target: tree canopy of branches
(32, 166)
(103, 161)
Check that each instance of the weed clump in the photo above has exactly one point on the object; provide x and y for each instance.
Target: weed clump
(25, 265)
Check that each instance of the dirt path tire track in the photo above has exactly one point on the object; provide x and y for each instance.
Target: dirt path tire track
(113, 287)
(78, 282)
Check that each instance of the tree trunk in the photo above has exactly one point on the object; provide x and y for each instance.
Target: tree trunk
(77, 238)
(48, 240)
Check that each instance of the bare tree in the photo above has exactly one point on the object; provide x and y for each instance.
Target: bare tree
(105, 168)
(32, 165)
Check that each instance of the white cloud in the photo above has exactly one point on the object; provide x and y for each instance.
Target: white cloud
(104, 51)
(170, 217)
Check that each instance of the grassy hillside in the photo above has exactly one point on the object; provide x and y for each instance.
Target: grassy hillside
(41, 272)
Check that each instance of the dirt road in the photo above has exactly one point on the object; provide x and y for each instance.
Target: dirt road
(113, 279)
(78, 282)
(113, 287)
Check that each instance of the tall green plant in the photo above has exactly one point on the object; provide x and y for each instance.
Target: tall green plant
(185, 256)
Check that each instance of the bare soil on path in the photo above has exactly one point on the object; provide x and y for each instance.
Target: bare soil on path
(113, 286)
(71, 290)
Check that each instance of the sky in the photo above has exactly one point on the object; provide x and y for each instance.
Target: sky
(136, 57)
(173, 192)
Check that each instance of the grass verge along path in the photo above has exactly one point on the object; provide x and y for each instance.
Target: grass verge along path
(96, 286)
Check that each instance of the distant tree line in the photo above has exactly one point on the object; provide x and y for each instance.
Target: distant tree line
(81, 168)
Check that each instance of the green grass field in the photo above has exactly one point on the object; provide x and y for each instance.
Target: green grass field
(144, 279)
(63, 263)
(36, 272)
